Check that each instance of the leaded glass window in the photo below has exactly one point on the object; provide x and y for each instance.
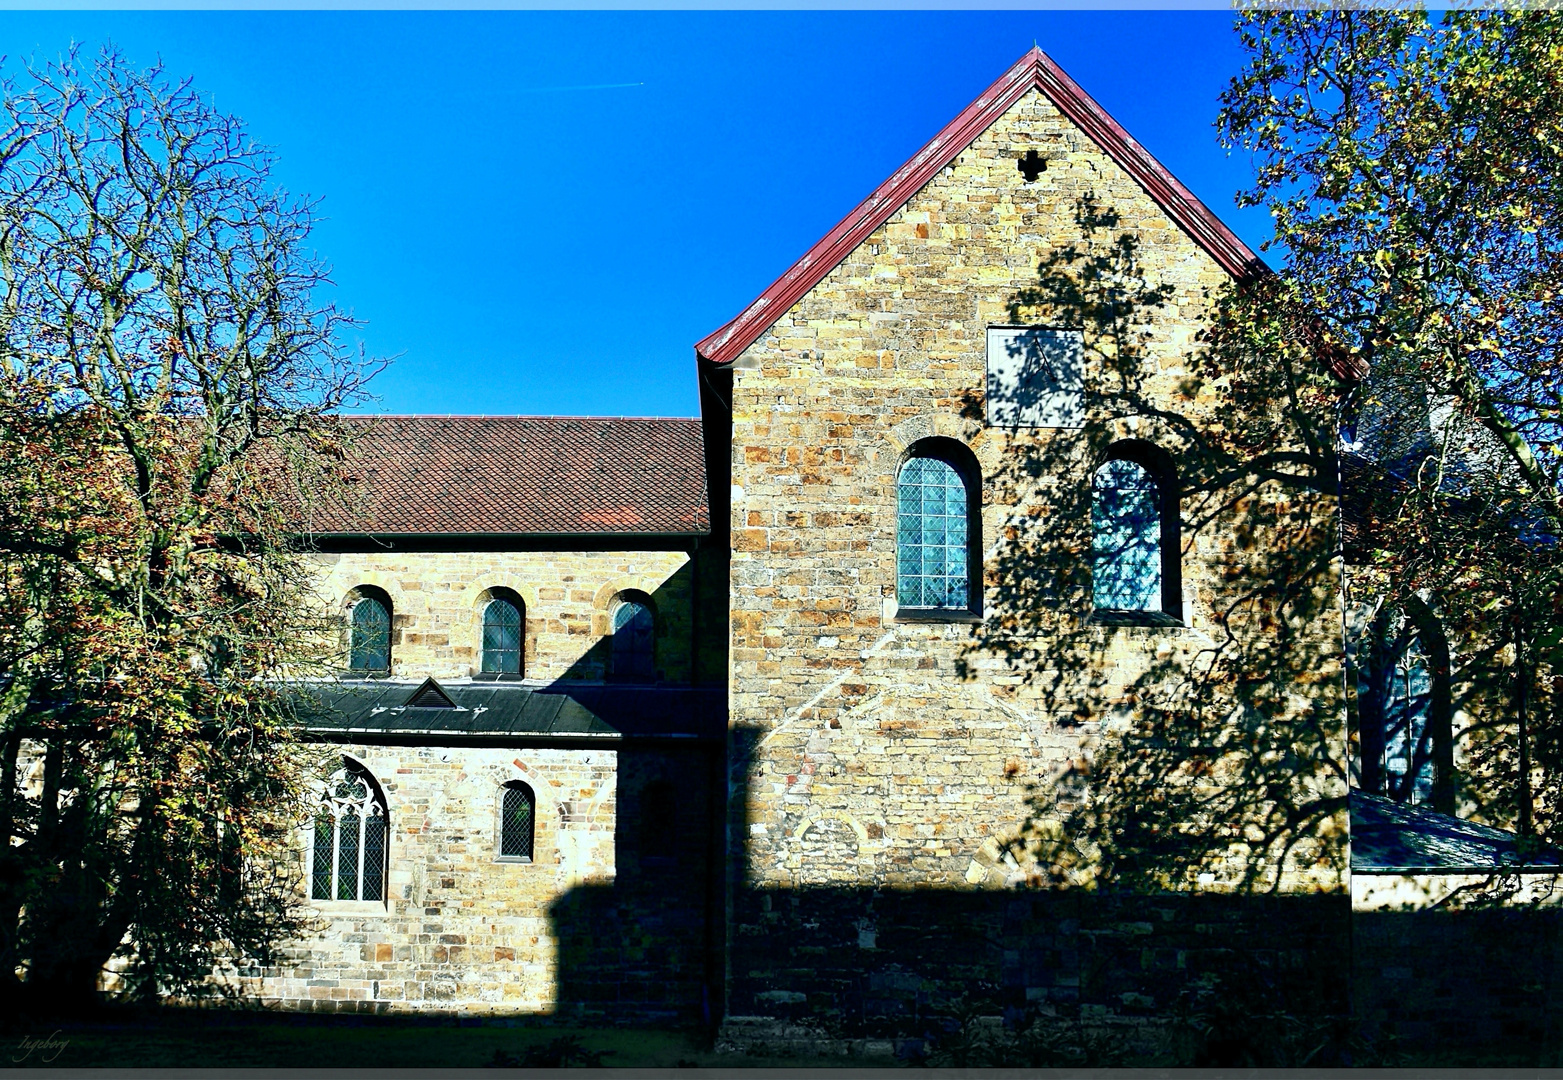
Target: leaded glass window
(501, 638)
(517, 821)
(1408, 750)
(1126, 538)
(932, 536)
(1400, 677)
(371, 636)
(634, 641)
(348, 850)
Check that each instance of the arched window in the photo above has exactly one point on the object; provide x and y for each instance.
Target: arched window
(501, 637)
(1404, 709)
(348, 853)
(1135, 565)
(370, 628)
(658, 811)
(517, 821)
(936, 529)
(634, 641)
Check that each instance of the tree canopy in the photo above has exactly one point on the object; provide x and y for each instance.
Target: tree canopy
(1413, 165)
(168, 378)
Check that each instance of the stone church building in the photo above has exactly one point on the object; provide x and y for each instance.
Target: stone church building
(831, 706)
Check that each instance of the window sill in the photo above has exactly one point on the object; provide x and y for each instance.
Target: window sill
(1116, 617)
(351, 907)
(523, 860)
(497, 676)
(935, 615)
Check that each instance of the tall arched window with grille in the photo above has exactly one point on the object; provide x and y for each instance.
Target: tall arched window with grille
(350, 844)
(517, 821)
(370, 632)
(937, 557)
(1135, 547)
(502, 624)
(634, 642)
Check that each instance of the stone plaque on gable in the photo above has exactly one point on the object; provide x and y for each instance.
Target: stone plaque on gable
(1035, 377)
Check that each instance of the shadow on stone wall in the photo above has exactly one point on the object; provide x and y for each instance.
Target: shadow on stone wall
(644, 948)
(1185, 872)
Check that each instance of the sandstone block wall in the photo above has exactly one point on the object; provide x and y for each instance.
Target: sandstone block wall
(460, 930)
(438, 598)
(882, 751)
(589, 928)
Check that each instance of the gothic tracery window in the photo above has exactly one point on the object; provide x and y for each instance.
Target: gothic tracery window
(349, 848)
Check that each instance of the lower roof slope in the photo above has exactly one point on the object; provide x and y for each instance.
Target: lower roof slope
(388, 710)
(521, 475)
(1393, 838)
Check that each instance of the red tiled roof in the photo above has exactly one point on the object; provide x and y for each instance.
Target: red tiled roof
(1034, 70)
(523, 475)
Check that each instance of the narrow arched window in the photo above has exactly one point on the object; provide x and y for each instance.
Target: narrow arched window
(371, 635)
(349, 848)
(1134, 535)
(935, 519)
(634, 641)
(517, 821)
(501, 638)
(1404, 707)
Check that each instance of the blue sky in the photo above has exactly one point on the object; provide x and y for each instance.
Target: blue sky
(525, 235)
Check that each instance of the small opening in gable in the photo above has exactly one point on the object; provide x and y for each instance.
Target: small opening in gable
(1032, 165)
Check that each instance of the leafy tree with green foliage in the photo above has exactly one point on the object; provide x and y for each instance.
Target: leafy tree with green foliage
(1413, 165)
(167, 389)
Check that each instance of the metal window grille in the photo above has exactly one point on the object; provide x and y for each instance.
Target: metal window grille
(634, 641)
(325, 834)
(517, 817)
(348, 829)
(932, 549)
(348, 852)
(502, 638)
(374, 858)
(371, 634)
(1125, 538)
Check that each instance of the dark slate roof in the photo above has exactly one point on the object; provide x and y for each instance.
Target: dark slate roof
(1393, 838)
(525, 475)
(381, 707)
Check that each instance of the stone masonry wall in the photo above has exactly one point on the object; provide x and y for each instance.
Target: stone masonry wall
(870, 751)
(598, 926)
(461, 931)
(437, 601)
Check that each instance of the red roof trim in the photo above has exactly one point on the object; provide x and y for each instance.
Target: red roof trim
(1035, 69)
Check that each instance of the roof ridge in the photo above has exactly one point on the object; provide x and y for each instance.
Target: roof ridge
(1034, 70)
